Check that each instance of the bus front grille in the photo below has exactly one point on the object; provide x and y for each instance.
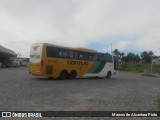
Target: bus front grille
(49, 70)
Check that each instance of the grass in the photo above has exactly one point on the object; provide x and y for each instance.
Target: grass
(139, 68)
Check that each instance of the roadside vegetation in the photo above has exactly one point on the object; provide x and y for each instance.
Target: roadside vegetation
(138, 67)
(137, 63)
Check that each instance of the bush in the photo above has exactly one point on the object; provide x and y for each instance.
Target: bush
(123, 66)
(138, 67)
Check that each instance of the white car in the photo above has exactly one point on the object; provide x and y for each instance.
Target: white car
(13, 63)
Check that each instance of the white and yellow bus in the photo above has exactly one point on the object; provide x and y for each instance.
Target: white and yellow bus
(64, 62)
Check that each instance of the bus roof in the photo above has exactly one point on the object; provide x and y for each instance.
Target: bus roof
(72, 48)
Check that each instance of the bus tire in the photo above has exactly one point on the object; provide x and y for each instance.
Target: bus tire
(72, 74)
(63, 75)
(109, 74)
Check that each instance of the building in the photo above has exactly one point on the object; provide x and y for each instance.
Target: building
(23, 61)
(157, 61)
(5, 55)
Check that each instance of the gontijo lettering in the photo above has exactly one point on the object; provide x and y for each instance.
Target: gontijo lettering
(77, 62)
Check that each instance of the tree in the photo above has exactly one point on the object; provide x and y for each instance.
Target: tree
(137, 58)
(131, 57)
(119, 54)
(122, 55)
(146, 56)
(150, 53)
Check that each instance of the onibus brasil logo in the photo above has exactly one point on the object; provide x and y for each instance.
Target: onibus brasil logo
(35, 48)
(21, 114)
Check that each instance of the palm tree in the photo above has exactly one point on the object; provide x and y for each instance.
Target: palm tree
(117, 53)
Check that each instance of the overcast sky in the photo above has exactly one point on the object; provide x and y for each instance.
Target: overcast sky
(129, 25)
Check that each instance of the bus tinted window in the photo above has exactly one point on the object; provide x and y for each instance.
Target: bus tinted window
(65, 53)
(57, 52)
(62, 53)
(90, 56)
(81, 55)
(104, 57)
(75, 54)
(71, 54)
(86, 56)
(51, 51)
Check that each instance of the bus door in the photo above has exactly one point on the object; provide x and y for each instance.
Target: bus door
(115, 64)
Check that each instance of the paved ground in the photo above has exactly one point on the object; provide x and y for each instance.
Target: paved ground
(125, 92)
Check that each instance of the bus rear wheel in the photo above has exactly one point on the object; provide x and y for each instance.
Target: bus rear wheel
(63, 75)
(109, 74)
(72, 74)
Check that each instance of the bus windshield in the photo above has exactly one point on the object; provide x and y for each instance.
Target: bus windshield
(36, 53)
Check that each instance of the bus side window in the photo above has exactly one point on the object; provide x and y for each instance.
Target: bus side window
(75, 55)
(89, 57)
(95, 57)
(62, 53)
(71, 54)
(85, 56)
(80, 56)
(58, 52)
(108, 57)
(98, 58)
(104, 57)
(51, 51)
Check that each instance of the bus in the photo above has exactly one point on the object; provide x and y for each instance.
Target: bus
(68, 63)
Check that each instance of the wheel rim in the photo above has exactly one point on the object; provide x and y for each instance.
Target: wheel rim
(63, 75)
(72, 74)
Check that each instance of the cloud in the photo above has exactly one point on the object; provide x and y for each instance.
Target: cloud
(127, 25)
(150, 40)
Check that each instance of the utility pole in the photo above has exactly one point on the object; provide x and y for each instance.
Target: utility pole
(152, 60)
(111, 53)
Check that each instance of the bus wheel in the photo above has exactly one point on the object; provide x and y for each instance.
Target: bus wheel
(109, 74)
(63, 75)
(72, 74)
